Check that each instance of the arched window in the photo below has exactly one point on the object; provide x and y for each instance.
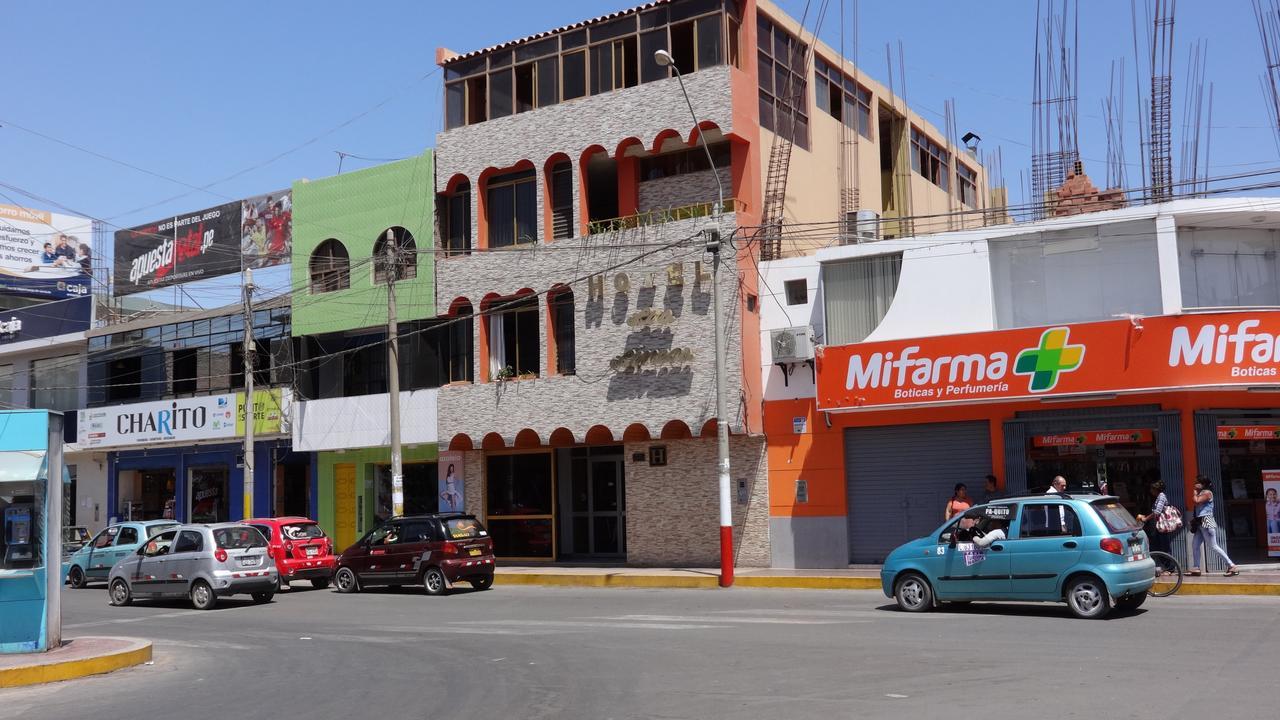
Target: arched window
(395, 250)
(330, 267)
(454, 208)
(560, 311)
(461, 355)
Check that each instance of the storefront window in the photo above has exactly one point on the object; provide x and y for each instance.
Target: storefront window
(209, 495)
(1249, 456)
(420, 495)
(520, 505)
(1118, 462)
(150, 497)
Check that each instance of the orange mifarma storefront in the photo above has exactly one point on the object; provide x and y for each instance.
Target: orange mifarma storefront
(1115, 404)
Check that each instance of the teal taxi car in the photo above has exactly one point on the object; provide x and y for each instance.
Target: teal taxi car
(1085, 550)
(93, 562)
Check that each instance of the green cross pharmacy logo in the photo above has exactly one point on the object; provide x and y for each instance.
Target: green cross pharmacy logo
(1047, 362)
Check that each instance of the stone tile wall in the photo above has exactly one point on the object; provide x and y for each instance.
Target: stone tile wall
(673, 512)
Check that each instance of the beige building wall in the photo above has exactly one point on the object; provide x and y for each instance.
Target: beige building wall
(673, 511)
(813, 184)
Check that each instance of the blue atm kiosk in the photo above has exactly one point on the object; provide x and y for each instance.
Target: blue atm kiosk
(31, 568)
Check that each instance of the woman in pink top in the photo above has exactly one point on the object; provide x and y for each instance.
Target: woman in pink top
(958, 503)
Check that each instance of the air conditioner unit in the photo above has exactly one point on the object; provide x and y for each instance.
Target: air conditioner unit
(791, 345)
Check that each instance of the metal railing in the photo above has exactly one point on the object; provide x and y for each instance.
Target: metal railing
(658, 216)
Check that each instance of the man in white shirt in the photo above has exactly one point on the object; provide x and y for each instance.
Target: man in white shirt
(1058, 485)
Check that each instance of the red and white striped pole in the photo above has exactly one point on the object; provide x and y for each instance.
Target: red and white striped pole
(722, 418)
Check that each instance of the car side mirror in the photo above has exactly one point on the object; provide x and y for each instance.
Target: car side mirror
(946, 538)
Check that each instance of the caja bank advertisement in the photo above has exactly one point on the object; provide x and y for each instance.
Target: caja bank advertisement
(1155, 353)
(44, 254)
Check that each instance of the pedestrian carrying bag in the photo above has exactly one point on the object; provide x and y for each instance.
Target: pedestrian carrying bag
(1169, 520)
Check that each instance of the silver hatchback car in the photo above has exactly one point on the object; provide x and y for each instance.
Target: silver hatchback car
(202, 562)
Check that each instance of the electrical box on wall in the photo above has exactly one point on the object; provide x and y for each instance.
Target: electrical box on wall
(802, 491)
(742, 491)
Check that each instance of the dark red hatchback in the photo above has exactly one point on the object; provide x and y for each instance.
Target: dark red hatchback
(435, 551)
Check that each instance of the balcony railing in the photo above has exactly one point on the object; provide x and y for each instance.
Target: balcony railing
(664, 215)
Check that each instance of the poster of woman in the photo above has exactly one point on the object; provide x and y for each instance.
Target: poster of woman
(1271, 509)
(451, 487)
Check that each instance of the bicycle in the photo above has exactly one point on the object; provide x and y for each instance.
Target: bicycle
(1168, 575)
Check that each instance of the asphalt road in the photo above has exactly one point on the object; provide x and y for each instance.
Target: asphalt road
(524, 652)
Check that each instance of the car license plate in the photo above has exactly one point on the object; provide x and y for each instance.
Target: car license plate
(475, 551)
(312, 551)
(248, 561)
(1136, 557)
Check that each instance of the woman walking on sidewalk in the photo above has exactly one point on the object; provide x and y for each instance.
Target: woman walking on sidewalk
(1205, 530)
(1158, 541)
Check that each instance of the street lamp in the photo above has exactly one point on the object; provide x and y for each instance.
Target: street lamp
(663, 58)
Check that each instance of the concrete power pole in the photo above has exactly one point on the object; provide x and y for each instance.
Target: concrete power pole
(250, 364)
(393, 375)
(722, 416)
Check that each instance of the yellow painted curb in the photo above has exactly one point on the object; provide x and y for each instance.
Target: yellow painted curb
(606, 580)
(811, 582)
(1271, 589)
(72, 669)
(829, 582)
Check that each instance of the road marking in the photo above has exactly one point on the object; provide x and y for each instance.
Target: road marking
(730, 620)
(583, 624)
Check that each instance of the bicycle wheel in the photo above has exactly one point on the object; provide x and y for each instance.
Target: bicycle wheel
(1168, 575)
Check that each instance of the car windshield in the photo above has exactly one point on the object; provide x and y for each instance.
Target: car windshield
(461, 528)
(1115, 516)
(238, 538)
(301, 531)
(154, 530)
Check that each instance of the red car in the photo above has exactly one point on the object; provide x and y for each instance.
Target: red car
(301, 549)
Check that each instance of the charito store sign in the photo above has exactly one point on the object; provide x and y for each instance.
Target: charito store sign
(201, 418)
(1156, 353)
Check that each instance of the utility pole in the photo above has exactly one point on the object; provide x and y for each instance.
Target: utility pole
(393, 374)
(250, 364)
(722, 415)
(663, 58)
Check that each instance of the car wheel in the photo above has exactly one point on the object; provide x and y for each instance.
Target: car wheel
(320, 583)
(202, 596)
(433, 581)
(913, 593)
(1088, 598)
(482, 583)
(263, 597)
(346, 581)
(75, 578)
(120, 593)
(1131, 602)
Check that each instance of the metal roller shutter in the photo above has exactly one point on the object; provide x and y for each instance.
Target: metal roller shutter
(900, 477)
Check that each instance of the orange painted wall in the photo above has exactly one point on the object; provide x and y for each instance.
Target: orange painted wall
(817, 455)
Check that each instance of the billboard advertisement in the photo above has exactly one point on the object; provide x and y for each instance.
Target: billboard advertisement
(45, 254)
(194, 246)
(1240, 349)
(184, 419)
(266, 235)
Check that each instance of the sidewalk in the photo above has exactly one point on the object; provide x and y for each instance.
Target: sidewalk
(1265, 580)
(76, 658)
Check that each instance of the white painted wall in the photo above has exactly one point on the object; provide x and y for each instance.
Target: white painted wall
(775, 313)
(91, 488)
(363, 421)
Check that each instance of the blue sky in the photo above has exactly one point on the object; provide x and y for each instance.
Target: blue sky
(198, 95)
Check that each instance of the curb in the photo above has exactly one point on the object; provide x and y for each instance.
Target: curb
(685, 581)
(1223, 588)
(815, 582)
(40, 673)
